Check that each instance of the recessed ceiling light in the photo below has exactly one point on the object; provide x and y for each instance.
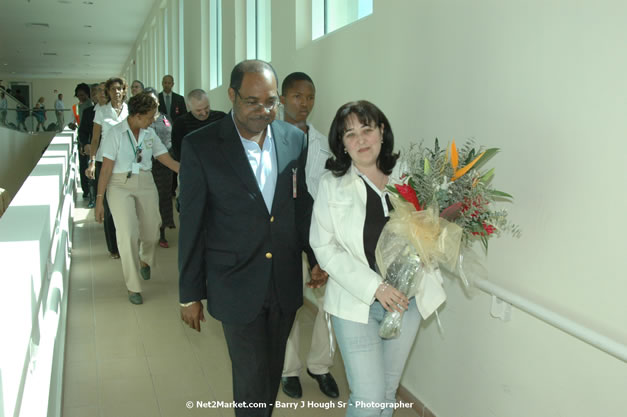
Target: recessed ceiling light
(86, 26)
(50, 53)
(87, 55)
(65, 1)
(88, 2)
(38, 25)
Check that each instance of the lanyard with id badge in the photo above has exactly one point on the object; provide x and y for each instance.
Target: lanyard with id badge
(137, 150)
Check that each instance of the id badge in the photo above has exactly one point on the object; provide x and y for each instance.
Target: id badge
(135, 168)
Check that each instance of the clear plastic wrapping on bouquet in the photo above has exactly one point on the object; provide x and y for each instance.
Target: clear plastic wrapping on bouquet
(402, 274)
(410, 249)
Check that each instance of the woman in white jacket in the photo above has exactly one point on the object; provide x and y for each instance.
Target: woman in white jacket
(350, 210)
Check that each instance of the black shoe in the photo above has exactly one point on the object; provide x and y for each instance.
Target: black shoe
(327, 384)
(291, 386)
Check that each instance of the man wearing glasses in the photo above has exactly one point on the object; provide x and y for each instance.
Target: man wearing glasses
(245, 215)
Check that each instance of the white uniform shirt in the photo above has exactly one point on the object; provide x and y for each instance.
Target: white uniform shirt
(317, 155)
(119, 145)
(107, 117)
(263, 162)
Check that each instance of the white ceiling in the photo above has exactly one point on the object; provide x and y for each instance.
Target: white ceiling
(95, 52)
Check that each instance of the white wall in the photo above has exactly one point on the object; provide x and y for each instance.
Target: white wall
(544, 81)
(35, 242)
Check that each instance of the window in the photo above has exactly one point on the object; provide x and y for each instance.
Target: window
(215, 43)
(330, 15)
(155, 56)
(258, 26)
(166, 42)
(181, 51)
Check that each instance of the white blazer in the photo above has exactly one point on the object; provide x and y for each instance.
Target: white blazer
(337, 238)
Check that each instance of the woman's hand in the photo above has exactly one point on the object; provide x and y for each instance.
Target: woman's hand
(91, 171)
(391, 299)
(99, 210)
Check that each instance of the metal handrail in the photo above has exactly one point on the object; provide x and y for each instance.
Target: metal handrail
(581, 332)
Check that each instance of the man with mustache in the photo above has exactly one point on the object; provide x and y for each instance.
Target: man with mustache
(245, 216)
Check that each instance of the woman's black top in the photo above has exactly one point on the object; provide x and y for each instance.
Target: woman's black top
(375, 221)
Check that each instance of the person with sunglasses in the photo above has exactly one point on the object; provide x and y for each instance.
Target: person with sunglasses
(127, 150)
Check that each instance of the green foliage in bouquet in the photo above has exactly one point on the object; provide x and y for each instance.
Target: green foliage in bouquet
(455, 184)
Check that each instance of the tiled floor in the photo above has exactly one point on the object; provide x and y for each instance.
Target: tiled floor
(125, 360)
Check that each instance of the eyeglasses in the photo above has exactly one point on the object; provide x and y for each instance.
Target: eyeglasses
(139, 155)
(255, 105)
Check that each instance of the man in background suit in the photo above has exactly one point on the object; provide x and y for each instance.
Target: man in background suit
(170, 103)
(200, 114)
(245, 216)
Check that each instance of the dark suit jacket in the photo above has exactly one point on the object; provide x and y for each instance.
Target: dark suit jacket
(187, 123)
(87, 125)
(229, 245)
(177, 107)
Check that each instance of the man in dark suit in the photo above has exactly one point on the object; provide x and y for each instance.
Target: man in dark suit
(170, 103)
(245, 215)
(200, 114)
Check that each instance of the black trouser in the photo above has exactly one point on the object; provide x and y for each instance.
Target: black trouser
(109, 226)
(175, 183)
(83, 164)
(257, 350)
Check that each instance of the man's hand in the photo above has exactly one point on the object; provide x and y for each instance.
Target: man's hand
(318, 277)
(193, 315)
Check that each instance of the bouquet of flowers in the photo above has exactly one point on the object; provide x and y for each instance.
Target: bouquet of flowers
(443, 201)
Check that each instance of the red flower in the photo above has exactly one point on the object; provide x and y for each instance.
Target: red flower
(409, 194)
(452, 212)
(489, 228)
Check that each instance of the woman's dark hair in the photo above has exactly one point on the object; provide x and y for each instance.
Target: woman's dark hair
(367, 114)
(142, 103)
(110, 82)
(150, 90)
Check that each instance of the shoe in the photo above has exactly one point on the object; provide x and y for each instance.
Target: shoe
(327, 384)
(145, 272)
(163, 243)
(114, 255)
(291, 386)
(135, 298)
(91, 204)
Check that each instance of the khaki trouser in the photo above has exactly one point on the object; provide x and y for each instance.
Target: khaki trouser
(319, 359)
(134, 204)
(60, 120)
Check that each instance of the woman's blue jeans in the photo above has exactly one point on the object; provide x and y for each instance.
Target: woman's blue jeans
(374, 365)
